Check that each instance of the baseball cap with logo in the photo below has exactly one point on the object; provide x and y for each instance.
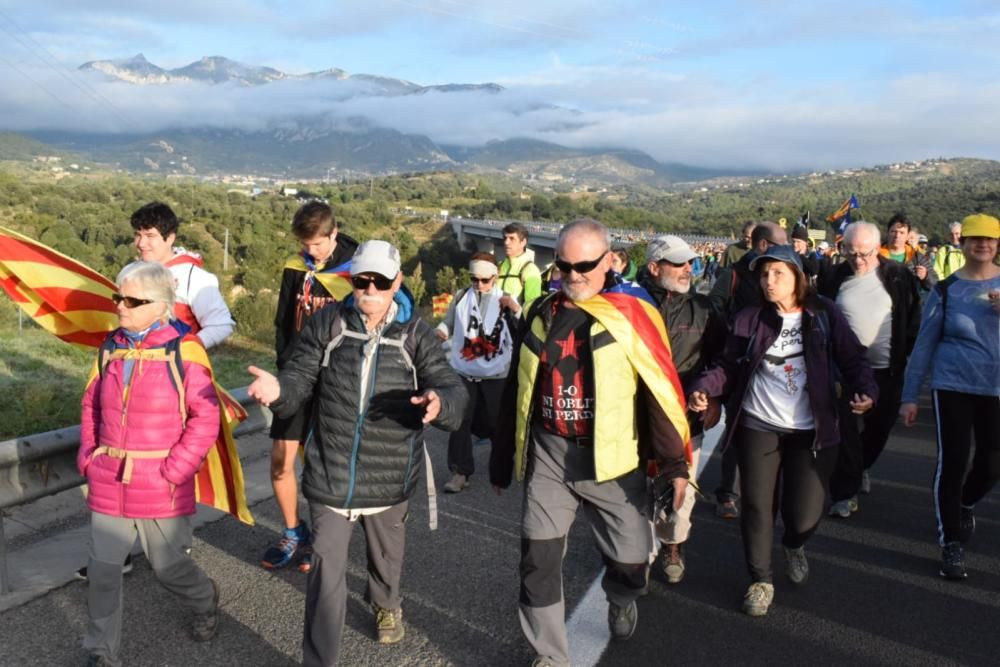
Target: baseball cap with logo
(379, 257)
(669, 248)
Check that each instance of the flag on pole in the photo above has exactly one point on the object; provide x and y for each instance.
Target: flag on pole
(843, 214)
(73, 302)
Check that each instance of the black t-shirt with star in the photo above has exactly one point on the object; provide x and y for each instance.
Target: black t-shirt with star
(566, 393)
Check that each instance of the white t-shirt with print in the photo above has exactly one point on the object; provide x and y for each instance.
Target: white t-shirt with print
(778, 393)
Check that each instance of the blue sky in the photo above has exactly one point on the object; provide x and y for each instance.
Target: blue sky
(755, 83)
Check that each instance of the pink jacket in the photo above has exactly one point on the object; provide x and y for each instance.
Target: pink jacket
(146, 418)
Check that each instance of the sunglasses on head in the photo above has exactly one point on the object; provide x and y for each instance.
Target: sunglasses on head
(579, 267)
(129, 301)
(381, 282)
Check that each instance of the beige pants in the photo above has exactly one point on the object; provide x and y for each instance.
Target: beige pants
(674, 529)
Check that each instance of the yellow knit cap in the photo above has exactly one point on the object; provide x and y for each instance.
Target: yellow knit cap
(981, 224)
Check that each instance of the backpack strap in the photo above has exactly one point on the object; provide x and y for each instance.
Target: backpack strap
(171, 353)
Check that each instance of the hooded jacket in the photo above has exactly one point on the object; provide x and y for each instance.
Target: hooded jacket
(367, 451)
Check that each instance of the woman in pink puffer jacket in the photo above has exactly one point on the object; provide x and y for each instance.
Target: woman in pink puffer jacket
(144, 433)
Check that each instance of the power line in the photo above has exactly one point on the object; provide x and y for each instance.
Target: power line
(52, 63)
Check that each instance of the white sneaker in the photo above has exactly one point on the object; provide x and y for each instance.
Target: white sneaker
(798, 566)
(844, 508)
(758, 599)
(866, 483)
(456, 483)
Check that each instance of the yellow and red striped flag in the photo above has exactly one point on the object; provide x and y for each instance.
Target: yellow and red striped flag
(64, 297)
(73, 302)
(636, 325)
(440, 303)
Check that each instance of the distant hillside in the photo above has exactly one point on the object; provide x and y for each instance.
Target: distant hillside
(20, 147)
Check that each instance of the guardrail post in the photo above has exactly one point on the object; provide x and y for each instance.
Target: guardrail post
(4, 583)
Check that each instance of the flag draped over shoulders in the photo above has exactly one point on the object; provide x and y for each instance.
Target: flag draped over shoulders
(627, 312)
(335, 279)
(73, 302)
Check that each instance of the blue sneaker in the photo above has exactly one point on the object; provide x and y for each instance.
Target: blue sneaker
(292, 542)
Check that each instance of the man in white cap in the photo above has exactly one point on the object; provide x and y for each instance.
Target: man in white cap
(379, 376)
(697, 334)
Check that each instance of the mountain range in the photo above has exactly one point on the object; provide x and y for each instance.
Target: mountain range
(324, 145)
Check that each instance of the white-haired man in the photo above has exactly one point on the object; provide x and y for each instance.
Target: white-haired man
(881, 301)
(950, 258)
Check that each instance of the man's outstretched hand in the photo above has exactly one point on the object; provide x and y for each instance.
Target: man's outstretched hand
(265, 388)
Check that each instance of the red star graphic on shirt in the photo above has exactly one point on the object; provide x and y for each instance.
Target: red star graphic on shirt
(570, 348)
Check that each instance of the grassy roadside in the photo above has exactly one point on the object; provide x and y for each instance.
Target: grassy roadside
(42, 378)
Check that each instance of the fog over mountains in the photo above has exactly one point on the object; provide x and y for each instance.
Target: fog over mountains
(219, 115)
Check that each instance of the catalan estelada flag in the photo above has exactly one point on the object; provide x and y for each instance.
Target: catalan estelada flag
(335, 279)
(73, 302)
(64, 297)
(628, 314)
(843, 214)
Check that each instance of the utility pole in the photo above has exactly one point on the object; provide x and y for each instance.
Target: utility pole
(225, 252)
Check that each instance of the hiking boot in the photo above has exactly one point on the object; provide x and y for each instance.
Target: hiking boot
(456, 483)
(126, 568)
(727, 509)
(389, 625)
(758, 598)
(291, 544)
(94, 660)
(622, 620)
(866, 483)
(952, 561)
(966, 524)
(204, 626)
(844, 508)
(673, 562)
(797, 568)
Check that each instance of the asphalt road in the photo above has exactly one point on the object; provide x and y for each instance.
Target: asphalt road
(873, 597)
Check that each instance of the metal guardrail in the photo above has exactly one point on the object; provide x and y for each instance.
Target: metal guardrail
(618, 235)
(43, 464)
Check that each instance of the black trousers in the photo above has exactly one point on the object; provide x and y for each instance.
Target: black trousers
(767, 458)
(959, 417)
(861, 447)
(482, 410)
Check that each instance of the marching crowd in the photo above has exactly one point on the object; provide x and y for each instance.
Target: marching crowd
(594, 380)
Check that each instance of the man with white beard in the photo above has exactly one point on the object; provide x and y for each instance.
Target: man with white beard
(697, 333)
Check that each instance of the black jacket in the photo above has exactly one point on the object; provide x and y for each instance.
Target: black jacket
(904, 292)
(367, 453)
(285, 331)
(697, 335)
(736, 288)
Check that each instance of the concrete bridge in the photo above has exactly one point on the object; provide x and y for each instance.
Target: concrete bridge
(487, 236)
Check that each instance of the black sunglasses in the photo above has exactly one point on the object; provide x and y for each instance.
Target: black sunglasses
(381, 282)
(480, 281)
(579, 267)
(130, 301)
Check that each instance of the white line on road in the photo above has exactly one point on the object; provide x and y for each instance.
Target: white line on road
(587, 627)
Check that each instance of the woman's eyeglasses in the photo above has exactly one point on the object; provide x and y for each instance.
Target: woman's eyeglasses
(130, 301)
(579, 267)
(381, 282)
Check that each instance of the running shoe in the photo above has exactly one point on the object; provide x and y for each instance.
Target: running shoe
(866, 482)
(966, 524)
(389, 625)
(844, 508)
(204, 626)
(797, 566)
(953, 561)
(727, 509)
(673, 562)
(758, 598)
(291, 544)
(622, 620)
